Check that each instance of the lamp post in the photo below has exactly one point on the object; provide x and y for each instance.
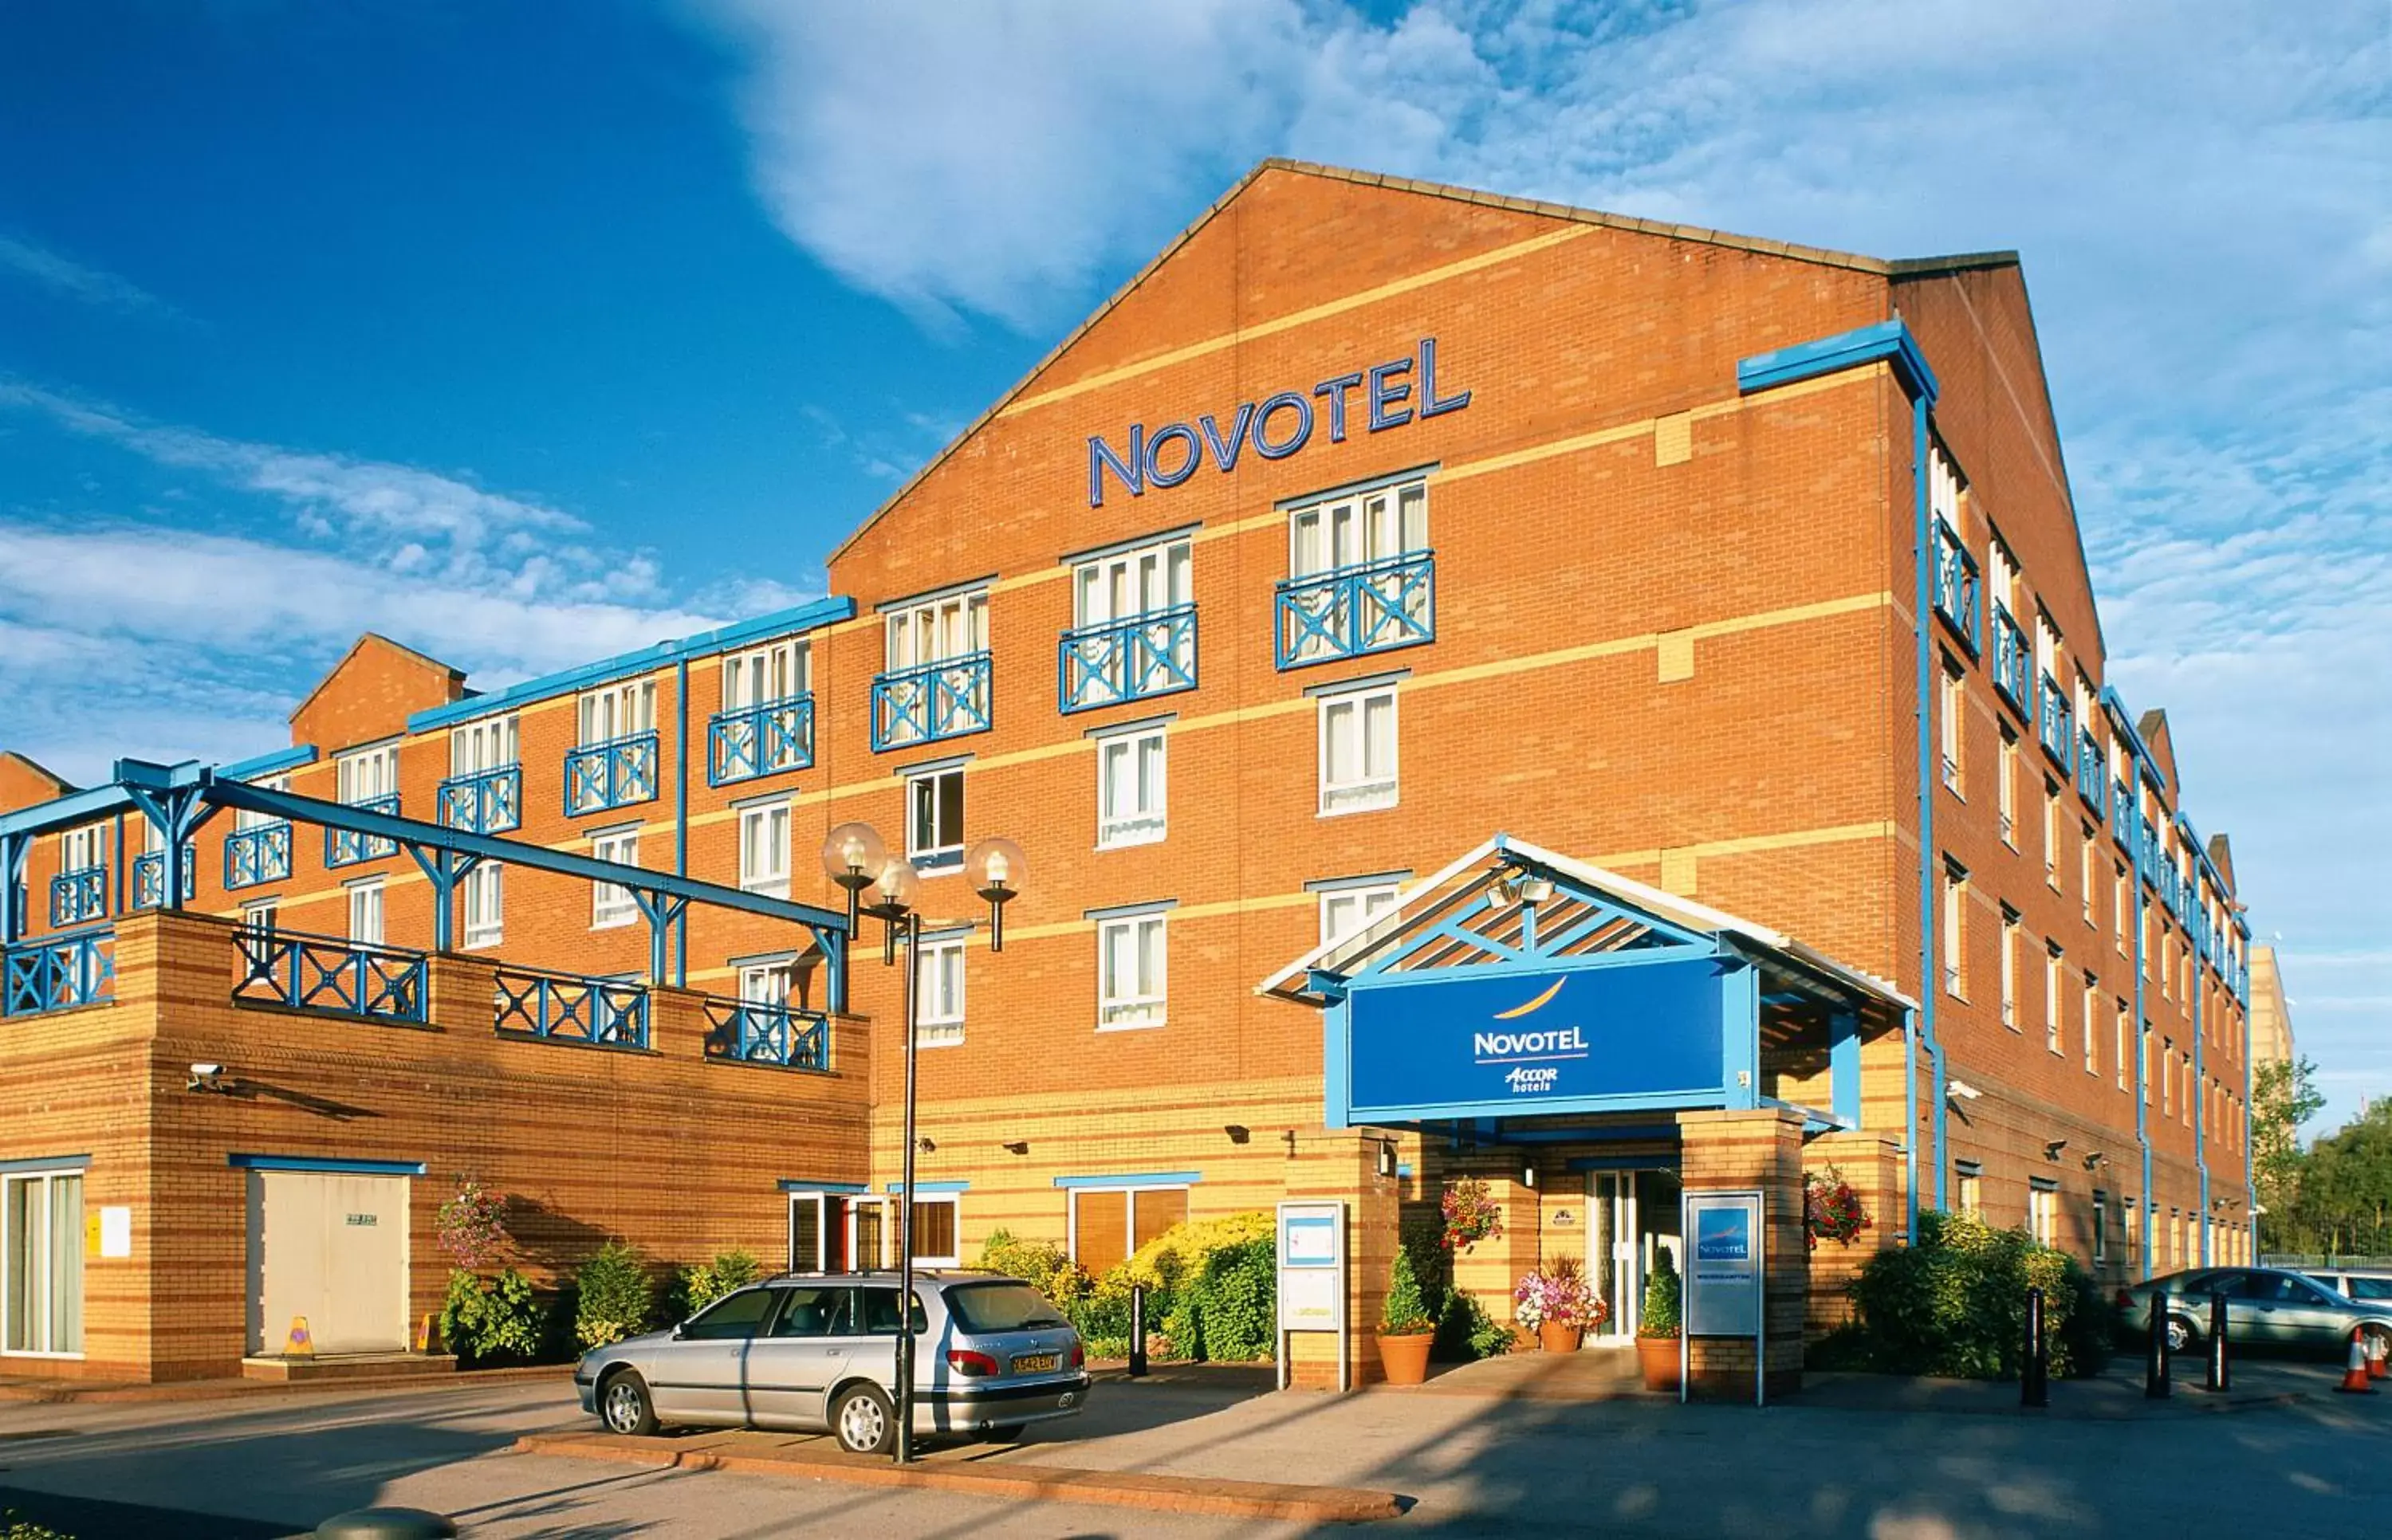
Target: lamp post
(859, 862)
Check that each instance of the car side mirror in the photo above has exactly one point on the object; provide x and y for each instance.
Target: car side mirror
(680, 1331)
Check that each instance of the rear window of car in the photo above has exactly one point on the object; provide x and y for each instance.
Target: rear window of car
(1002, 1307)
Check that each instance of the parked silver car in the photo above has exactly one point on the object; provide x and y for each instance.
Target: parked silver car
(2368, 1286)
(2268, 1310)
(811, 1351)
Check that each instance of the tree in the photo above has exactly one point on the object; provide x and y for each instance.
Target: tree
(2344, 1207)
(2284, 1096)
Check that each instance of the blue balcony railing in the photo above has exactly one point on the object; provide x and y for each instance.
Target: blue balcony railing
(931, 701)
(484, 802)
(1960, 594)
(763, 739)
(613, 774)
(2122, 814)
(749, 1031)
(1372, 607)
(150, 878)
(324, 973)
(2056, 725)
(2092, 776)
(2013, 671)
(347, 848)
(58, 973)
(79, 896)
(1127, 660)
(563, 1007)
(257, 855)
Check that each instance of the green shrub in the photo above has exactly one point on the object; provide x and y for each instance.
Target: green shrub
(698, 1284)
(1042, 1264)
(1406, 1312)
(1464, 1330)
(1231, 1305)
(1955, 1304)
(14, 1528)
(1660, 1316)
(1212, 1288)
(490, 1321)
(614, 1296)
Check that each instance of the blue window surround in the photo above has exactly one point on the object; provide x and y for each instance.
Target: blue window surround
(324, 1163)
(1960, 594)
(45, 1163)
(1143, 1179)
(791, 1185)
(933, 1187)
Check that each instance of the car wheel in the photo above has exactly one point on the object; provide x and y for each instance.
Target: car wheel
(2181, 1334)
(624, 1404)
(865, 1421)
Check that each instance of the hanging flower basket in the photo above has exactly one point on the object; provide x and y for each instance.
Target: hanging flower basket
(1831, 1210)
(1470, 1214)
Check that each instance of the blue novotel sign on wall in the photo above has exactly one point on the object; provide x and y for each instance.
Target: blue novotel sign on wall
(1436, 1044)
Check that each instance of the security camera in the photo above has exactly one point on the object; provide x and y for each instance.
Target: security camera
(206, 1077)
(1962, 1089)
(207, 1071)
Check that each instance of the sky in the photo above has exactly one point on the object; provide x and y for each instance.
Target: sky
(528, 333)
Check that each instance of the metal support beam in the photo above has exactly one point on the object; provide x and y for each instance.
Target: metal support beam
(664, 915)
(1844, 1066)
(14, 847)
(178, 811)
(444, 870)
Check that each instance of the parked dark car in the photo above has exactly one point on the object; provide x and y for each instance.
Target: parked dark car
(2268, 1310)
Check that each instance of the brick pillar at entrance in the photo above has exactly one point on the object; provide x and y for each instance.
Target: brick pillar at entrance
(1870, 1163)
(1763, 1150)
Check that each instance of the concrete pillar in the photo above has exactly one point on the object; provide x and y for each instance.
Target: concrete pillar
(1763, 1150)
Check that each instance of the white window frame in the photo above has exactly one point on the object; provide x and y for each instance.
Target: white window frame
(935, 630)
(1148, 818)
(484, 743)
(2055, 963)
(611, 904)
(1134, 1009)
(1952, 704)
(2100, 1227)
(1122, 585)
(484, 903)
(39, 1260)
(2052, 832)
(764, 859)
(367, 912)
(84, 849)
(261, 916)
(945, 855)
(1368, 792)
(1955, 931)
(2090, 865)
(938, 979)
(617, 711)
(1129, 1193)
(2043, 1211)
(2006, 811)
(762, 676)
(1355, 527)
(2092, 1002)
(1367, 901)
(768, 982)
(953, 1201)
(1969, 1188)
(2009, 967)
(363, 774)
(244, 819)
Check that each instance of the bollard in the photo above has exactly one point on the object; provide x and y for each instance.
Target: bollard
(2034, 1369)
(2157, 1386)
(2221, 1377)
(386, 1523)
(1137, 1330)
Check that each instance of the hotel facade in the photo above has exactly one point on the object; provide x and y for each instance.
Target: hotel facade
(1481, 689)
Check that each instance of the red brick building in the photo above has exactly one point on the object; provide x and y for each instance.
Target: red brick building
(1737, 584)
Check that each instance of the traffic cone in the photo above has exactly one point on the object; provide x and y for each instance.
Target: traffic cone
(2377, 1366)
(2354, 1375)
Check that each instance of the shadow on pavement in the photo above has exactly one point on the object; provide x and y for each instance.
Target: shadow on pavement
(90, 1519)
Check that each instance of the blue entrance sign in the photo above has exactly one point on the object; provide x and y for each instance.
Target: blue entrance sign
(1461, 1043)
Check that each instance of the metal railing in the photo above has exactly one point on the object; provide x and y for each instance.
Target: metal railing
(1368, 607)
(2092, 781)
(484, 802)
(58, 973)
(346, 847)
(763, 739)
(2013, 670)
(1959, 593)
(948, 698)
(150, 878)
(79, 896)
(324, 973)
(563, 1007)
(751, 1031)
(257, 855)
(613, 774)
(2056, 725)
(1130, 659)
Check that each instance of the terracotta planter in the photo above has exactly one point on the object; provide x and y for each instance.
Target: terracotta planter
(1560, 1337)
(1405, 1358)
(1658, 1356)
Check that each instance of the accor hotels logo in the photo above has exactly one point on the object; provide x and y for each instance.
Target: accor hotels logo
(1390, 395)
(1532, 1052)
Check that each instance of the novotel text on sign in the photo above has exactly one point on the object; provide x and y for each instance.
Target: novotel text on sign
(1278, 426)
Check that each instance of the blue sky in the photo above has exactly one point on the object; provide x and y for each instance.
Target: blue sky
(528, 333)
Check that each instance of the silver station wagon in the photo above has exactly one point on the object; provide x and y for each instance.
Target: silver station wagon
(814, 1351)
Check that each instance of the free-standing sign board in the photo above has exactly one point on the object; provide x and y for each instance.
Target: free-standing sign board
(1312, 1279)
(1724, 1276)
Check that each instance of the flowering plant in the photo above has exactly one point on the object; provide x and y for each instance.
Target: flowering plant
(1470, 1214)
(1559, 1294)
(473, 1225)
(1831, 1210)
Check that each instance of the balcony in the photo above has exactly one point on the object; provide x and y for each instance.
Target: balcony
(559, 1007)
(150, 878)
(1370, 607)
(948, 698)
(2122, 814)
(2012, 671)
(2091, 783)
(78, 897)
(616, 773)
(347, 848)
(58, 973)
(763, 739)
(484, 802)
(1959, 595)
(2056, 725)
(324, 973)
(1133, 659)
(750, 1031)
(257, 855)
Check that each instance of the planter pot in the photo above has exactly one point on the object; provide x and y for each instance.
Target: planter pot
(1559, 1337)
(1405, 1358)
(1658, 1356)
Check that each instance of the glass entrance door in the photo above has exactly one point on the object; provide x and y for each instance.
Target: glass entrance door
(1614, 1259)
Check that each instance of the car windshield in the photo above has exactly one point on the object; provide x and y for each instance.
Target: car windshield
(1002, 1307)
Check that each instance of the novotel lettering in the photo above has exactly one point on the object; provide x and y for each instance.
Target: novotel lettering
(1530, 1046)
(1278, 426)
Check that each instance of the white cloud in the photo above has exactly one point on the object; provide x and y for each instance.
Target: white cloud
(89, 285)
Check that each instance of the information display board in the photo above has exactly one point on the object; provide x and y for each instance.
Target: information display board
(1312, 1277)
(1725, 1294)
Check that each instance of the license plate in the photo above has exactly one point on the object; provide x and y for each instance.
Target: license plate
(1036, 1362)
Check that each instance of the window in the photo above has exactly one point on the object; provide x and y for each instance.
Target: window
(1132, 583)
(2085, 852)
(937, 630)
(2167, 1077)
(762, 675)
(934, 820)
(765, 983)
(2043, 1211)
(2120, 900)
(1967, 1181)
(369, 773)
(243, 819)
(934, 1234)
(610, 903)
(1357, 751)
(1954, 701)
(1956, 899)
(1347, 909)
(2100, 1227)
(365, 912)
(486, 906)
(2051, 834)
(260, 919)
(618, 711)
(733, 1318)
(939, 997)
(1369, 526)
(1130, 969)
(2144, 1049)
(765, 849)
(2008, 789)
(2009, 967)
(2092, 1008)
(84, 849)
(1130, 803)
(2052, 962)
(41, 1263)
(1108, 1225)
(486, 744)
